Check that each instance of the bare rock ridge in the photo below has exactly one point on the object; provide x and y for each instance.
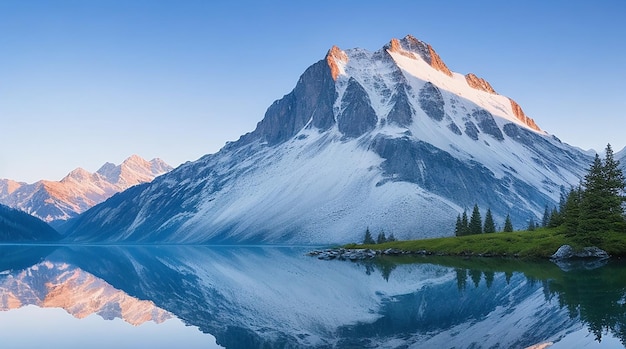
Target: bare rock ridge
(333, 58)
(80, 189)
(519, 113)
(479, 83)
(409, 45)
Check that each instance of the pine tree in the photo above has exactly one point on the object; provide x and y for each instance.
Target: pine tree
(458, 228)
(571, 213)
(475, 223)
(593, 213)
(546, 217)
(368, 239)
(490, 226)
(391, 238)
(464, 224)
(555, 218)
(508, 226)
(381, 239)
(531, 224)
(615, 185)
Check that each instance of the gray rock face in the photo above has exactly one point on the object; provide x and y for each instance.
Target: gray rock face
(358, 116)
(402, 112)
(487, 124)
(313, 97)
(439, 172)
(471, 130)
(431, 101)
(568, 252)
(454, 128)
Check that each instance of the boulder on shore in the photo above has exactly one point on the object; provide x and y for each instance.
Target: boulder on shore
(568, 252)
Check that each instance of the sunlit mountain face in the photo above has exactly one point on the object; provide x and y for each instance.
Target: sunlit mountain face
(390, 139)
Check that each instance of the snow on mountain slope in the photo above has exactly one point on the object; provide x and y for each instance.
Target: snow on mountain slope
(79, 190)
(391, 140)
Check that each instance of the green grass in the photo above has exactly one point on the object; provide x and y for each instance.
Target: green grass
(541, 243)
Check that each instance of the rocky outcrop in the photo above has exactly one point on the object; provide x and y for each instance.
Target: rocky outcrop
(431, 101)
(568, 252)
(479, 83)
(358, 116)
(402, 112)
(410, 44)
(312, 98)
(487, 124)
(333, 57)
(519, 113)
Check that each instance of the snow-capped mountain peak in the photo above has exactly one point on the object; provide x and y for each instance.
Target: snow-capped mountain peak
(391, 140)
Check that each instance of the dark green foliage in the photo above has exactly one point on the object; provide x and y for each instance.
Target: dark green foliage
(475, 223)
(508, 225)
(555, 218)
(462, 225)
(458, 227)
(391, 238)
(531, 224)
(596, 206)
(593, 214)
(368, 239)
(489, 226)
(571, 214)
(381, 239)
(546, 217)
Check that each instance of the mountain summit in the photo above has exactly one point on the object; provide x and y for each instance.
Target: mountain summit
(392, 140)
(80, 189)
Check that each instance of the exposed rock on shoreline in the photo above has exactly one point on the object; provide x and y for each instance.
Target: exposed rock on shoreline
(568, 252)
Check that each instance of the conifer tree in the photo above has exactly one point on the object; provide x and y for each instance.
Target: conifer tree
(464, 224)
(475, 223)
(368, 239)
(508, 225)
(490, 226)
(531, 224)
(391, 238)
(546, 217)
(571, 214)
(381, 239)
(458, 228)
(593, 213)
(615, 185)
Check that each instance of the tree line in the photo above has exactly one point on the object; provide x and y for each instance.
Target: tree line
(596, 205)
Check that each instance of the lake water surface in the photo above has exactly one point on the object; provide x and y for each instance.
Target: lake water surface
(277, 297)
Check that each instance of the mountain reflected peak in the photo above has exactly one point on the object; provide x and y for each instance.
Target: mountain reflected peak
(61, 285)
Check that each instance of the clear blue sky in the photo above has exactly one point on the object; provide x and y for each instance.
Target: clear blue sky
(85, 82)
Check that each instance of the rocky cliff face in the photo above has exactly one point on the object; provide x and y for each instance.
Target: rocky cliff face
(80, 189)
(384, 139)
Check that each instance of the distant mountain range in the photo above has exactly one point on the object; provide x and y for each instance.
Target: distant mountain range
(392, 140)
(79, 190)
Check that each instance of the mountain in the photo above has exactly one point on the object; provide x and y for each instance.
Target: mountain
(391, 140)
(59, 285)
(80, 189)
(17, 226)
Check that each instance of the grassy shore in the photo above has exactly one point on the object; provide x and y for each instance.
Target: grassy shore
(540, 243)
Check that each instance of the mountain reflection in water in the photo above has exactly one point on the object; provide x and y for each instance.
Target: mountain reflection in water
(273, 297)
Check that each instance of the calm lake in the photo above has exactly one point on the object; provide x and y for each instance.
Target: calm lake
(277, 297)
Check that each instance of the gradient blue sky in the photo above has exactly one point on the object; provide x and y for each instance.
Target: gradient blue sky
(85, 82)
